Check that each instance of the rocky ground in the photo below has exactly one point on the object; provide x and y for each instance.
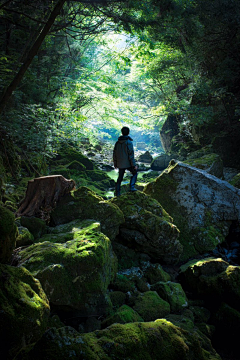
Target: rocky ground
(148, 275)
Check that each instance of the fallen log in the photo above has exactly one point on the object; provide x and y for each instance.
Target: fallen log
(43, 194)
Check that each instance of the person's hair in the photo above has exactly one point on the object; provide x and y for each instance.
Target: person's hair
(125, 130)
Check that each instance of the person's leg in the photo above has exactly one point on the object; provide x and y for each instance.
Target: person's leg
(133, 179)
(119, 180)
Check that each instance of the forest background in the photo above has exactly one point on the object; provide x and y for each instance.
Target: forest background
(74, 69)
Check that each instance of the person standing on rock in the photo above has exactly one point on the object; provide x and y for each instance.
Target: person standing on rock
(123, 158)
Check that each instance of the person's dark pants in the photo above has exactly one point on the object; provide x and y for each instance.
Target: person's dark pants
(133, 180)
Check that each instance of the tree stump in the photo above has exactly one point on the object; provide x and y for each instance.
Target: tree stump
(43, 194)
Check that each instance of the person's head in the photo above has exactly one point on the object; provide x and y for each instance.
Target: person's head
(125, 131)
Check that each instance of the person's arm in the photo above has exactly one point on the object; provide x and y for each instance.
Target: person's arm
(131, 153)
(115, 157)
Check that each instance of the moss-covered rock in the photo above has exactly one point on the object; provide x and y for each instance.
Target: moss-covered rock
(148, 227)
(159, 340)
(211, 163)
(36, 226)
(76, 274)
(150, 306)
(172, 293)
(155, 273)
(202, 206)
(24, 237)
(76, 165)
(70, 231)
(85, 204)
(236, 181)
(125, 314)
(68, 154)
(8, 234)
(24, 310)
(213, 280)
(123, 283)
(118, 298)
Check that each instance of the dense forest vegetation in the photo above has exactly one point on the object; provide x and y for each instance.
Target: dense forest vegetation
(71, 69)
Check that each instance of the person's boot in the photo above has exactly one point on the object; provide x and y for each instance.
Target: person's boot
(133, 182)
(118, 188)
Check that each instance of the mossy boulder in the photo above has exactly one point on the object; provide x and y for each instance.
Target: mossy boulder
(148, 228)
(8, 234)
(85, 204)
(117, 297)
(236, 181)
(24, 237)
(36, 226)
(68, 154)
(158, 340)
(213, 280)
(160, 162)
(202, 206)
(211, 163)
(155, 273)
(70, 231)
(24, 310)
(173, 293)
(75, 275)
(125, 314)
(150, 306)
(76, 165)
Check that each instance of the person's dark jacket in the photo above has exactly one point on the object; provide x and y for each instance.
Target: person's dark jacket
(123, 153)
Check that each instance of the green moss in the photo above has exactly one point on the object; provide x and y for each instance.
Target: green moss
(36, 226)
(133, 341)
(123, 315)
(71, 231)
(123, 283)
(8, 234)
(85, 204)
(24, 237)
(150, 306)
(236, 181)
(117, 298)
(24, 309)
(77, 273)
(173, 294)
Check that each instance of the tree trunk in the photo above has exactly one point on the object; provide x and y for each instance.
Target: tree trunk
(43, 194)
(29, 57)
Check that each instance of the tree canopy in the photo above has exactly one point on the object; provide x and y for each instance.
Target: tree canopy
(69, 68)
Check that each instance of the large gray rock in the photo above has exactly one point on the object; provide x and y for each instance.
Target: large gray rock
(211, 163)
(146, 157)
(75, 274)
(160, 162)
(202, 206)
(148, 227)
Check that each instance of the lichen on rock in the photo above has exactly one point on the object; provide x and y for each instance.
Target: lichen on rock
(202, 206)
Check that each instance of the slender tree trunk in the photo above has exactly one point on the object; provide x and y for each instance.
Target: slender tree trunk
(31, 53)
